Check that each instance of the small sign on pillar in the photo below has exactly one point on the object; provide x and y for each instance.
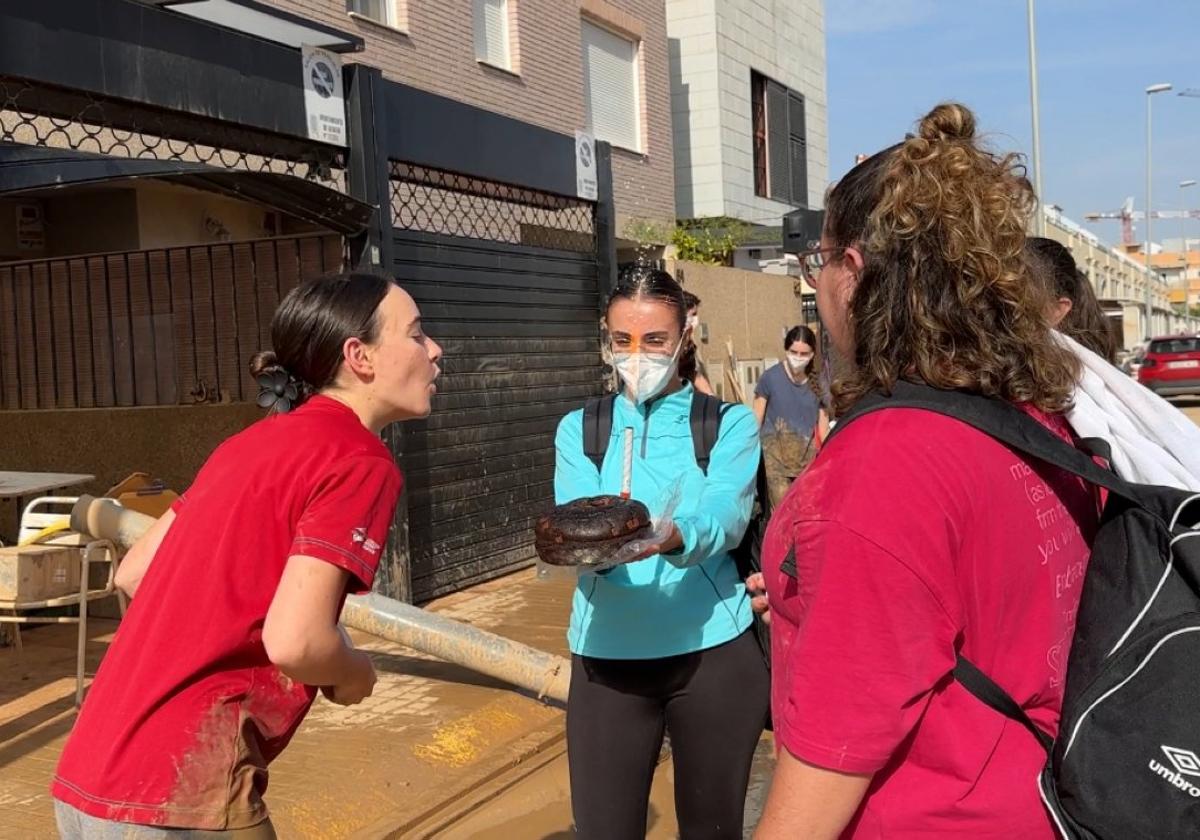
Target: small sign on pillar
(324, 98)
(587, 186)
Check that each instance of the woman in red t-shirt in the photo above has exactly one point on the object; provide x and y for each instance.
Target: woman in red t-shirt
(239, 587)
(913, 537)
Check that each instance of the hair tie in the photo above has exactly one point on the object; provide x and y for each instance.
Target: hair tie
(278, 390)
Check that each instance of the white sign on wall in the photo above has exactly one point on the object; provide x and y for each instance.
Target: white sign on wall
(324, 101)
(31, 229)
(586, 183)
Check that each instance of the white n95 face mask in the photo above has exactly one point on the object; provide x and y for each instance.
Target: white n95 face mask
(797, 361)
(645, 375)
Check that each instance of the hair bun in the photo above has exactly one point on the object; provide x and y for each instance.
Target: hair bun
(264, 362)
(948, 121)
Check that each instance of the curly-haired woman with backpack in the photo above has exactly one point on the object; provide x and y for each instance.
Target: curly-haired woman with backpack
(915, 539)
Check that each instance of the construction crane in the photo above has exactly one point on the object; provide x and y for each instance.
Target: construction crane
(1127, 215)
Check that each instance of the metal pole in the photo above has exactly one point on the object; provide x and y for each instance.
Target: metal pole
(1040, 227)
(1149, 310)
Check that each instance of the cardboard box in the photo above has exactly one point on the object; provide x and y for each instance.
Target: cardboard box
(39, 572)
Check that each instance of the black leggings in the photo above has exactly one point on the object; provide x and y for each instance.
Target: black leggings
(712, 702)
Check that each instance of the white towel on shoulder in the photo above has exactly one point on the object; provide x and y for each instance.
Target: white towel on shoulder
(1153, 442)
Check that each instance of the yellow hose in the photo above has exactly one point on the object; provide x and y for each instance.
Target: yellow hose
(47, 532)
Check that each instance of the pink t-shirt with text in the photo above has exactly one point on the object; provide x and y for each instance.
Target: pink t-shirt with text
(913, 536)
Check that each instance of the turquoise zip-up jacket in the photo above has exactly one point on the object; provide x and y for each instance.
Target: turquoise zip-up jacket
(666, 604)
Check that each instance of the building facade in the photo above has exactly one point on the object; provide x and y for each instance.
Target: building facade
(1120, 281)
(748, 103)
(559, 64)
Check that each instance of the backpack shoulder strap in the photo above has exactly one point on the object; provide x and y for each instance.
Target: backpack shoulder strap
(999, 419)
(705, 420)
(597, 427)
(995, 697)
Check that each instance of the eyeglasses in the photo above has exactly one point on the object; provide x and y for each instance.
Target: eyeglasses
(812, 261)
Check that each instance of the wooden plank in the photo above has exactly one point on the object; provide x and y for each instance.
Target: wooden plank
(204, 319)
(248, 316)
(66, 384)
(27, 355)
(225, 306)
(266, 283)
(81, 323)
(311, 251)
(179, 276)
(43, 331)
(333, 254)
(145, 356)
(120, 324)
(287, 264)
(162, 306)
(10, 374)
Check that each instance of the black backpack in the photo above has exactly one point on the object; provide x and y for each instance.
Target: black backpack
(705, 420)
(1126, 763)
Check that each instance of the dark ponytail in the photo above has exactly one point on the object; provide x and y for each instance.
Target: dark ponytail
(308, 332)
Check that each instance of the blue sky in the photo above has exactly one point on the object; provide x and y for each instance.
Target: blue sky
(891, 60)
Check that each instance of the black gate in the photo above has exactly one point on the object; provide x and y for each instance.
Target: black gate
(507, 282)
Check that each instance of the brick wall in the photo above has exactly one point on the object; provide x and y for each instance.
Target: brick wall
(436, 52)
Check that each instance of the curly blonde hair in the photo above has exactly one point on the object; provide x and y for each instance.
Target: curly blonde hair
(945, 296)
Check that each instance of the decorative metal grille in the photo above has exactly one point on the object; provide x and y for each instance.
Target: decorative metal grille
(42, 115)
(435, 201)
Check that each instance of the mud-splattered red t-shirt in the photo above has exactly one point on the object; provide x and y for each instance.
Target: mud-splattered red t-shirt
(186, 711)
(912, 537)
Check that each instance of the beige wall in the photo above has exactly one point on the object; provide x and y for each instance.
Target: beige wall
(169, 442)
(752, 309)
(171, 215)
(436, 52)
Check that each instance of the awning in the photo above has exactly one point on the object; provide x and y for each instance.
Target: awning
(265, 21)
(26, 169)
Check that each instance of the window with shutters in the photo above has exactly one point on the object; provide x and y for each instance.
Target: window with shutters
(780, 142)
(491, 33)
(377, 10)
(610, 81)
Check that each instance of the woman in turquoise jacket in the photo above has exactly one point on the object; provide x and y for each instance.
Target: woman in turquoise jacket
(663, 643)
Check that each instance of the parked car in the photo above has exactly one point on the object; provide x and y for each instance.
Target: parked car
(1131, 360)
(1172, 366)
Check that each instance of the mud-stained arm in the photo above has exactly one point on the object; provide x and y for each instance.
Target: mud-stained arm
(760, 408)
(136, 561)
(302, 637)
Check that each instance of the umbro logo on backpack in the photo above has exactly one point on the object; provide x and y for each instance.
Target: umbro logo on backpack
(1185, 762)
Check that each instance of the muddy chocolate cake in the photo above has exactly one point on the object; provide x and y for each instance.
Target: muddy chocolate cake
(586, 531)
